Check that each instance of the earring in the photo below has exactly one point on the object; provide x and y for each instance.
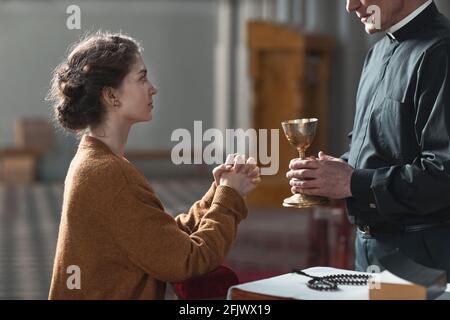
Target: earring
(116, 103)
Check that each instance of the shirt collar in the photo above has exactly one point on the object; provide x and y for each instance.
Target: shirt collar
(392, 32)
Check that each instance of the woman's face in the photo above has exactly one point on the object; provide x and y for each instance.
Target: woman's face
(136, 94)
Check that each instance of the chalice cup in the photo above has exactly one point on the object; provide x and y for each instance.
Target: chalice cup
(301, 133)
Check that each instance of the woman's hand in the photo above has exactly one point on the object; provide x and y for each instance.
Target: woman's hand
(239, 173)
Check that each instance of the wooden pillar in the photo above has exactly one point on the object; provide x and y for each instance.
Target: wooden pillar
(290, 74)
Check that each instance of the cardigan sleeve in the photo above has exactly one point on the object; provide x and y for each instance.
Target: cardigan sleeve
(189, 221)
(154, 242)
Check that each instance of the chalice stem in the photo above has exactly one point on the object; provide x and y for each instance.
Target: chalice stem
(302, 156)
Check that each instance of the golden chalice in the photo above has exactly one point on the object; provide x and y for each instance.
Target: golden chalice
(301, 133)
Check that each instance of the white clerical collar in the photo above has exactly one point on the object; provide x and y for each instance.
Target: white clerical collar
(408, 19)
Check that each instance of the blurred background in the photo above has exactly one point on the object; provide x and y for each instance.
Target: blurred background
(228, 63)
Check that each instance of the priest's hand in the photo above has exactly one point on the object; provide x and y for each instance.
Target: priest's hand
(325, 176)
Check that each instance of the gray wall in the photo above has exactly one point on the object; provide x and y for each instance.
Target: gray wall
(178, 37)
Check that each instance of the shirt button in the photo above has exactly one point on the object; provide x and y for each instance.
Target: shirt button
(372, 206)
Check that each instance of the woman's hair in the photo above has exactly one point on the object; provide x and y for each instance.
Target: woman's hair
(97, 61)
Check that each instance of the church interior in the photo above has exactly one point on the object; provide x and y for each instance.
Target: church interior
(224, 64)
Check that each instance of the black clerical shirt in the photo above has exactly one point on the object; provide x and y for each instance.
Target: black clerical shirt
(400, 143)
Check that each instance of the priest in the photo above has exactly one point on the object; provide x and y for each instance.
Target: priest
(395, 176)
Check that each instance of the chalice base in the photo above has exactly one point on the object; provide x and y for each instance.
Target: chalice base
(304, 201)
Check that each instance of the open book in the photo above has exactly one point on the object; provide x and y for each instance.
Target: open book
(293, 286)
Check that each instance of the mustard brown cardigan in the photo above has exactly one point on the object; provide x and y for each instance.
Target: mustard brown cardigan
(114, 229)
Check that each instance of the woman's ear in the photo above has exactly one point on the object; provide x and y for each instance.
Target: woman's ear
(110, 97)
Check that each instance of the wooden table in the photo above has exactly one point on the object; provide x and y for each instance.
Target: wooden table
(292, 286)
(238, 294)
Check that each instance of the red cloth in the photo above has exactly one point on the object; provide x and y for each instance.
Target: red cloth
(211, 285)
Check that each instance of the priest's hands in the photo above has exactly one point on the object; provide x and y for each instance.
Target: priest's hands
(239, 173)
(326, 176)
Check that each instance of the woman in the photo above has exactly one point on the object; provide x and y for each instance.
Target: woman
(115, 241)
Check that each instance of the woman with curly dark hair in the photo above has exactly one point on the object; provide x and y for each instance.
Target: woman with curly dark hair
(114, 231)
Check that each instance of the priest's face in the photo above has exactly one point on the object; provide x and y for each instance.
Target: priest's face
(379, 15)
